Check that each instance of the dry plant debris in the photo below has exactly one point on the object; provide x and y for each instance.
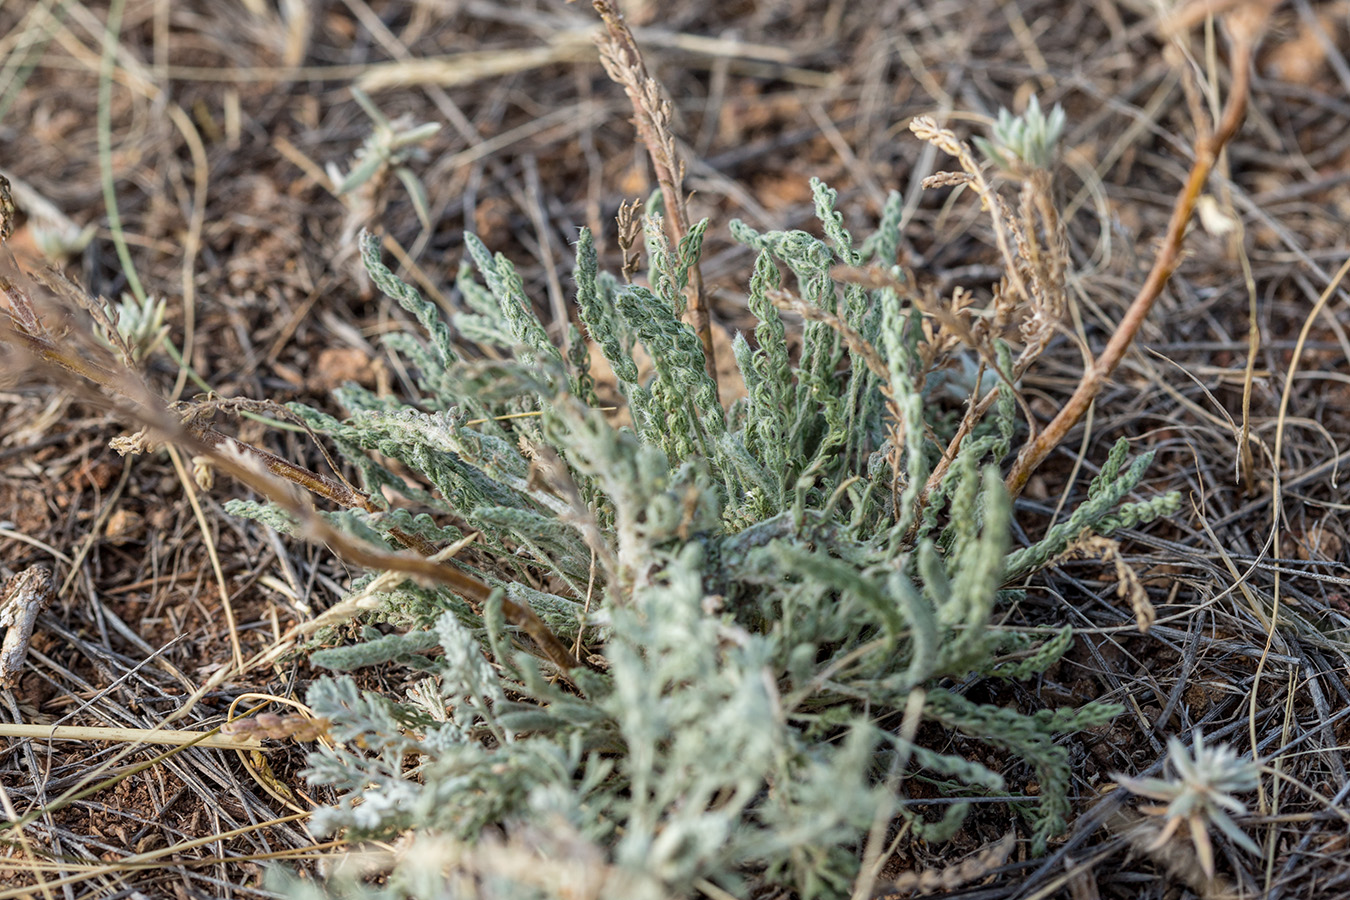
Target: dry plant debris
(22, 597)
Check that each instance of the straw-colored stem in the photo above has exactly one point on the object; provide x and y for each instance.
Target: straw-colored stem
(128, 735)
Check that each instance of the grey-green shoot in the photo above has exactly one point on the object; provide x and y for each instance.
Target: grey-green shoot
(765, 592)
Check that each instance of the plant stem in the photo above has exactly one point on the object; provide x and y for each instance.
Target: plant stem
(623, 63)
(1208, 145)
(251, 465)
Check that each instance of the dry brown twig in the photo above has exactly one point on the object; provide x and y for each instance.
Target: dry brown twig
(622, 60)
(264, 472)
(1245, 21)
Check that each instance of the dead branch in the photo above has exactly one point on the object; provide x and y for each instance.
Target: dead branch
(258, 469)
(1245, 28)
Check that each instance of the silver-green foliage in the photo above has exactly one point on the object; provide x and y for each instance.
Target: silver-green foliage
(1199, 793)
(770, 600)
(1024, 142)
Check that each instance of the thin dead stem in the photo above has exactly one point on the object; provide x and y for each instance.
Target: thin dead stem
(787, 300)
(259, 469)
(1247, 27)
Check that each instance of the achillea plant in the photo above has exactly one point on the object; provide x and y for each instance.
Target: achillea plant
(768, 599)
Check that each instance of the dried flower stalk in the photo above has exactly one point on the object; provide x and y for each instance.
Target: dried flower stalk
(622, 59)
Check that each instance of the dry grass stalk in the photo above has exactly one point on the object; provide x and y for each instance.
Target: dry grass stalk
(926, 129)
(952, 877)
(571, 45)
(629, 220)
(787, 300)
(952, 318)
(277, 727)
(622, 60)
(1044, 252)
(1031, 295)
(205, 739)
